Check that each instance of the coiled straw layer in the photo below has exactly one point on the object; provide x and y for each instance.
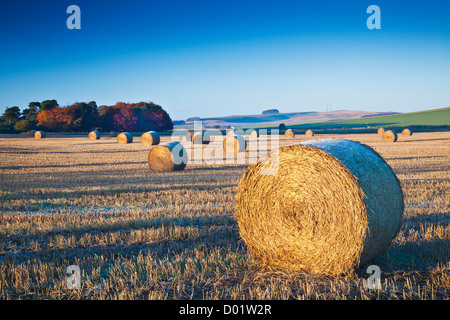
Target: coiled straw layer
(331, 205)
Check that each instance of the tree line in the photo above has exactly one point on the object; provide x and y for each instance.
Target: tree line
(82, 117)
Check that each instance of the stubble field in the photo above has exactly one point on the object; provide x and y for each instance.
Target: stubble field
(135, 234)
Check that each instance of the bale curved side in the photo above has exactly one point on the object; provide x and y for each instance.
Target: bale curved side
(150, 138)
(124, 138)
(323, 211)
(167, 157)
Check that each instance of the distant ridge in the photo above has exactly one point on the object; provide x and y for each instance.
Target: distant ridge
(274, 119)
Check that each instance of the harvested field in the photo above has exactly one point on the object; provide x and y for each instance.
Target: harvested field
(138, 234)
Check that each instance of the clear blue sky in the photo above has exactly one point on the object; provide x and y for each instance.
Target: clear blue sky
(223, 57)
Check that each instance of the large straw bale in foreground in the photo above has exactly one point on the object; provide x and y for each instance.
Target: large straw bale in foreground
(150, 138)
(289, 133)
(389, 136)
(39, 134)
(166, 157)
(331, 205)
(124, 138)
(94, 135)
(234, 144)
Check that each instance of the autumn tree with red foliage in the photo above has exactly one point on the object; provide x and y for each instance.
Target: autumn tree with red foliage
(135, 117)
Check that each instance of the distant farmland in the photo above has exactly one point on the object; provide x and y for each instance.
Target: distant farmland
(423, 121)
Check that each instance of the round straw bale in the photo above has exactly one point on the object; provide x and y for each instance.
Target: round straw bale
(166, 157)
(94, 135)
(39, 134)
(112, 134)
(289, 133)
(31, 133)
(389, 136)
(322, 210)
(234, 144)
(406, 132)
(200, 137)
(309, 133)
(150, 138)
(230, 133)
(124, 138)
(381, 130)
(254, 133)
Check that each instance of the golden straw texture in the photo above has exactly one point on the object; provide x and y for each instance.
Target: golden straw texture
(166, 157)
(323, 211)
(150, 138)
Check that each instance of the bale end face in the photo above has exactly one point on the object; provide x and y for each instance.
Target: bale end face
(380, 131)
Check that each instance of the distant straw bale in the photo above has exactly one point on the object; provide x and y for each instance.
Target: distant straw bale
(31, 133)
(234, 144)
(381, 130)
(323, 210)
(150, 138)
(406, 132)
(124, 138)
(112, 134)
(309, 133)
(94, 135)
(389, 136)
(166, 157)
(200, 137)
(39, 134)
(289, 133)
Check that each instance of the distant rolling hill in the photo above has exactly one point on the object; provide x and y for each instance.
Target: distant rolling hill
(429, 118)
(272, 120)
